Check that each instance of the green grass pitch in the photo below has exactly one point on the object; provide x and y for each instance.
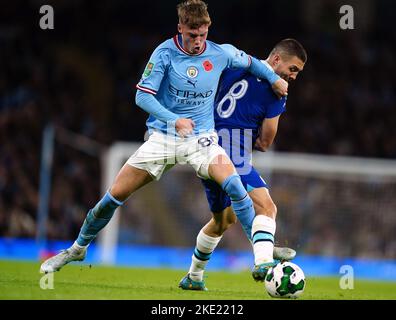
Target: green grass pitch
(21, 280)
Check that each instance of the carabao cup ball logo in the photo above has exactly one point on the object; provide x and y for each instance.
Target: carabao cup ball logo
(192, 72)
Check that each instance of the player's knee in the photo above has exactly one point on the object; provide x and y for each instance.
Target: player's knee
(221, 168)
(269, 209)
(118, 193)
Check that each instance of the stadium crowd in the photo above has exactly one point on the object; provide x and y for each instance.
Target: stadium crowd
(81, 76)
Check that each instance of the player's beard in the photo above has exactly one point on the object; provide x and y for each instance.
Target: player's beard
(285, 77)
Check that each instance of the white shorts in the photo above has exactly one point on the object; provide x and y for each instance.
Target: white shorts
(161, 152)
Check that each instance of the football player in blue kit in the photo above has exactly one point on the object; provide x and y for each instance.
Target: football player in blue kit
(246, 117)
(177, 89)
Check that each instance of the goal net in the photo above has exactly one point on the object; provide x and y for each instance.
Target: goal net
(327, 205)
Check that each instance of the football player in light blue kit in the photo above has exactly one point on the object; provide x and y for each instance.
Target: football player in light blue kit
(177, 89)
(246, 117)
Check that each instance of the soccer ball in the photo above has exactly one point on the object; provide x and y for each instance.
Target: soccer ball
(285, 280)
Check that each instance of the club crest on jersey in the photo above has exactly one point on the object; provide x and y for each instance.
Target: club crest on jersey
(192, 72)
(148, 70)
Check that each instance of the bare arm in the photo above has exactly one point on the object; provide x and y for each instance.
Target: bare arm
(267, 134)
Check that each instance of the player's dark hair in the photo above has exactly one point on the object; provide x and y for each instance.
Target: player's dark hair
(193, 13)
(291, 47)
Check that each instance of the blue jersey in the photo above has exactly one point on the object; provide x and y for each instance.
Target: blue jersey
(186, 84)
(242, 103)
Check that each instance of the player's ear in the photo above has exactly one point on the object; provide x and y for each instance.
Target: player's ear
(179, 28)
(277, 59)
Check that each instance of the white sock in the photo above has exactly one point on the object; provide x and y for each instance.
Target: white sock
(77, 247)
(202, 252)
(263, 231)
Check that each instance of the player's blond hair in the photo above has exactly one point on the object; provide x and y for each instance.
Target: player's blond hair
(193, 13)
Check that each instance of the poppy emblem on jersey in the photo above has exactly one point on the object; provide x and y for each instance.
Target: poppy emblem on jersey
(208, 66)
(192, 72)
(149, 69)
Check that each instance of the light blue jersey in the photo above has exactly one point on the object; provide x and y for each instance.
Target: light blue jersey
(186, 84)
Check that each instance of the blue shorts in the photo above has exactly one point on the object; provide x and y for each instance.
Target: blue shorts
(219, 200)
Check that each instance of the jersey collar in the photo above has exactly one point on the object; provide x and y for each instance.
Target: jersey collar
(179, 44)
